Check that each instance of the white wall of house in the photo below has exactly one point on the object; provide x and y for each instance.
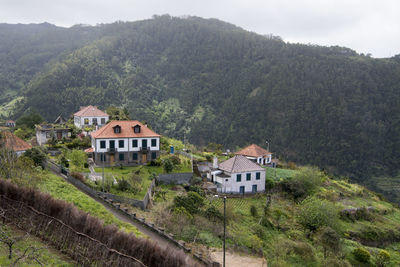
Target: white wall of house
(128, 144)
(231, 185)
(264, 159)
(41, 137)
(80, 121)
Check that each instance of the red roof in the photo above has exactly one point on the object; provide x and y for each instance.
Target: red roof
(253, 151)
(15, 143)
(90, 111)
(89, 150)
(107, 131)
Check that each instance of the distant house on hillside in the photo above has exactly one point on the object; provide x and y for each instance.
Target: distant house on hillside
(90, 116)
(125, 143)
(238, 175)
(60, 120)
(257, 154)
(10, 123)
(45, 132)
(13, 143)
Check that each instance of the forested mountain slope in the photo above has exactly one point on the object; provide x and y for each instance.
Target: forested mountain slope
(209, 81)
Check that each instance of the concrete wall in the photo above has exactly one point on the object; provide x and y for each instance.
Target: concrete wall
(175, 178)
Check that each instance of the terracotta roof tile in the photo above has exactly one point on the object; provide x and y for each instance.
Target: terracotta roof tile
(90, 111)
(107, 131)
(14, 143)
(239, 164)
(253, 151)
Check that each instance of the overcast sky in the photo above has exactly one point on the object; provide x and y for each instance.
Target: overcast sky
(367, 26)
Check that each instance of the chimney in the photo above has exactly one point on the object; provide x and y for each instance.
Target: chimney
(215, 162)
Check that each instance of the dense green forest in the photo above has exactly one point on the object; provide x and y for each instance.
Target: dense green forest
(209, 81)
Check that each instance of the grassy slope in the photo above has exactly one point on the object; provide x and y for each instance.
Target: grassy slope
(47, 256)
(286, 243)
(6, 108)
(60, 189)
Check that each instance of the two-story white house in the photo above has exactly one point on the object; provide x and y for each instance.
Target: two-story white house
(238, 175)
(124, 143)
(257, 154)
(90, 116)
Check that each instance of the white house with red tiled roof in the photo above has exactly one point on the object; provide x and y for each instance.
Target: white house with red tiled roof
(90, 116)
(238, 175)
(257, 154)
(124, 143)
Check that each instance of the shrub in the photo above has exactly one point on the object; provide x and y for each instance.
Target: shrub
(197, 189)
(86, 165)
(304, 182)
(253, 211)
(329, 240)
(123, 185)
(196, 180)
(315, 213)
(175, 159)
(383, 258)
(269, 184)
(37, 155)
(213, 214)
(192, 202)
(78, 176)
(167, 165)
(361, 254)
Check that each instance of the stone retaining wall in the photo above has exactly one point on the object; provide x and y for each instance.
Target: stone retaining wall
(175, 178)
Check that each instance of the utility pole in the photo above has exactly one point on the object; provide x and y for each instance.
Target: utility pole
(103, 159)
(266, 141)
(224, 228)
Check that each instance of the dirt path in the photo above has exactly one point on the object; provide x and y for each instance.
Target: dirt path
(238, 260)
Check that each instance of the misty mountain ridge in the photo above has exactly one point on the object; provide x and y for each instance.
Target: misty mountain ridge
(209, 81)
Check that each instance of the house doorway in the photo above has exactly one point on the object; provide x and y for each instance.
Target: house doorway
(112, 159)
(144, 158)
(59, 135)
(254, 188)
(241, 190)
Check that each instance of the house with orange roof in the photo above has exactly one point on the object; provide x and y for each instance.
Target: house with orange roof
(124, 143)
(257, 154)
(90, 116)
(13, 143)
(238, 175)
(10, 123)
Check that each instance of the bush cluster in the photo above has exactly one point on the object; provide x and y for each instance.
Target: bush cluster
(361, 254)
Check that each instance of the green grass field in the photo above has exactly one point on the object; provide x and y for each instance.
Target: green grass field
(60, 189)
(278, 174)
(46, 255)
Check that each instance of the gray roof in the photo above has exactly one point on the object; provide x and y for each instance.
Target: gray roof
(239, 164)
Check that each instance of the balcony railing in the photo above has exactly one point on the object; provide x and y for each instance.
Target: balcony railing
(145, 149)
(112, 149)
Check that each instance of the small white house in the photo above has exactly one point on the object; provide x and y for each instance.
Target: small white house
(257, 154)
(90, 116)
(45, 132)
(238, 175)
